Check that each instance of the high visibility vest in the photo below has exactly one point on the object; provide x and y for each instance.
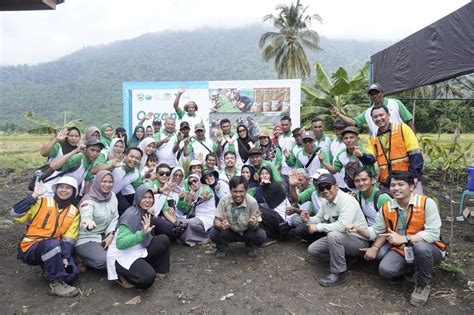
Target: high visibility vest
(415, 220)
(394, 157)
(48, 223)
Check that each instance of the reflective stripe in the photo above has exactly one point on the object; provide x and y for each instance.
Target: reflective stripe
(68, 239)
(50, 202)
(51, 253)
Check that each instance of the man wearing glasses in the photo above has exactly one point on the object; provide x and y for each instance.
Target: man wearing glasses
(311, 157)
(337, 211)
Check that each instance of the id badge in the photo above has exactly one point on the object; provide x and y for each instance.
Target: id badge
(409, 256)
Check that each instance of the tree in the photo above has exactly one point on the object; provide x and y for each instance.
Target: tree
(287, 45)
(348, 95)
(45, 126)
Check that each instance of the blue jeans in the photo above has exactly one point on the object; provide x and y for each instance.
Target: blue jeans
(250, 237)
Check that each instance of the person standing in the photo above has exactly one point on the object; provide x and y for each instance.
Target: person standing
(286, 142)
(323, 141)
(165, 142)
(190, 111)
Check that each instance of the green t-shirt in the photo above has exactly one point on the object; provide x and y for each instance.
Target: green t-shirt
(54, 151)
(305, 195)
(75, 160)
(405, 114)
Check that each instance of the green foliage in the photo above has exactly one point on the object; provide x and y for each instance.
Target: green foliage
(287, 46)
(347, 94)
(445, 156)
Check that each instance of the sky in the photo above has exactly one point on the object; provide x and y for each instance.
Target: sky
(32, 37)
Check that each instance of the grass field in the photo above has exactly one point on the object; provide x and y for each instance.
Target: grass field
(21, 151)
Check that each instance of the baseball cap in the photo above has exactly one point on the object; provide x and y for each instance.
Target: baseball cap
(184, 124)
(255, 151)
(92, 142)
(319, 172)
(157, 121)
(308, 135)
(376, 87)
(199, 127)
(338, 123)
(326, 179)
(296, 131)
(350, 129)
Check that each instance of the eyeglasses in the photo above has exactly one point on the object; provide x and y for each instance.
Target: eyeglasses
(192, 181)
(308, 140)
(241, 130)
(325, 187)
(164, 173)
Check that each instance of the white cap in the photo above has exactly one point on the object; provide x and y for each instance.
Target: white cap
(319, 172)
(68, 180)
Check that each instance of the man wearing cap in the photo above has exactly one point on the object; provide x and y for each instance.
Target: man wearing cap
(395, 148)
(311, 157)
(156, 125)
(337, 211)
(200, 146)
(165, 142)
(182, 140)
(190, 111)
(77, 163)
(352, 156)
(289, 155)
(398, 112)
(256, 160)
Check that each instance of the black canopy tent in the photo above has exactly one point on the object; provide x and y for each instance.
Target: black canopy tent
(438, 52)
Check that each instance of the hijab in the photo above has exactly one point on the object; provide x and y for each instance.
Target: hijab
(273, 193)
(103, 138)
(269, 151)
(63, 204)
(143, 144)
(180, 184)
(96, 193)
(133, 216)
(252, 182)
(66, 147)
(110, 150)
(120, 132)
(244, 146)
(90, 131)
(134, 141)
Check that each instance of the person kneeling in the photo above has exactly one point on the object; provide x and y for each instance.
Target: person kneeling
(135, 256)
(237, 219)
(411, 224)
(53, 225)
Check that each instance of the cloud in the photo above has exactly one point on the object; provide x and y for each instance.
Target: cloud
(30, 37)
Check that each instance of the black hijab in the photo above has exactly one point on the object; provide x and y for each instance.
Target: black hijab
(244, 145)
(273, 193)
(133, 216)
(66, 147)
(63, 204)
(120, 132)
(252, 182)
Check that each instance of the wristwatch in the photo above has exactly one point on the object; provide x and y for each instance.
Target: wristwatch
(408, 240)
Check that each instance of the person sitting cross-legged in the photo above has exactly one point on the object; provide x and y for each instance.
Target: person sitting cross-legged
(237, 220)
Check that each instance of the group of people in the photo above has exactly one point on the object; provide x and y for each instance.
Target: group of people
(114, 203)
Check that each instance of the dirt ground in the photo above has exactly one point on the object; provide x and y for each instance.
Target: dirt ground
(283, 279)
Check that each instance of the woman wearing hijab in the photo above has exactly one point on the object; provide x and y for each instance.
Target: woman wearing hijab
(201, 217)
(135, 255)
(219, 187)
(53, 225)
(272, 203)
(92, 133)
(271, 152)
(120, 132)
(248, 172)
(65, 141)
(178, 193)
(244, 142)
(106, 134)
(99, 216)
(114, 152)
(148, 147)
(137, 136)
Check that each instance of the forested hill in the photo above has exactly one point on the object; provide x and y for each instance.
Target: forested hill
(88, 83)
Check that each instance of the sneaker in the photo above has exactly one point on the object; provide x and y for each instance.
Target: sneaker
(251, 252)
(60, 288)
(333, 279)
(420, 295)
(220, 254)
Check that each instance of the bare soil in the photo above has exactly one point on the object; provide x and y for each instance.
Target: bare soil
(283, 279)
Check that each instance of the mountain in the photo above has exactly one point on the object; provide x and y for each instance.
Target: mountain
(88, 83)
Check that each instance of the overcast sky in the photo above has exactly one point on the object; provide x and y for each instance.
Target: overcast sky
(31, 37)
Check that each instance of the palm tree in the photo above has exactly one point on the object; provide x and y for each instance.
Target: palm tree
(286, 47)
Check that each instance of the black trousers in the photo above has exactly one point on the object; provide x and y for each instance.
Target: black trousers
(142, 272)
(163, 226)
(271, 223)
(124, 202)
(302, 231)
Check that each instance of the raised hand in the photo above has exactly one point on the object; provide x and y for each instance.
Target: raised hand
(39, 190)
(286, 153)
(62, 134)
(335, 111)
(149, 115)
(253, 222)
(358, 151)
(181, 91)
(293, 178)
(147, 227)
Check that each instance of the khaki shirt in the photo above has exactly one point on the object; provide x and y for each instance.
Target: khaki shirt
(238, 215)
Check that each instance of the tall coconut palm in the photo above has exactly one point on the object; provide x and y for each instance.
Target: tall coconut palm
(287, 46)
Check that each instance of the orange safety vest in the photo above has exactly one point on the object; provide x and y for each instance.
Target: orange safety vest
(392, 158)
(415, 220)
(48, 223)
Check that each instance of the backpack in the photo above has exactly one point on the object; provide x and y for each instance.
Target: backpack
(349, 175)
(378, 193)
(43, 174)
